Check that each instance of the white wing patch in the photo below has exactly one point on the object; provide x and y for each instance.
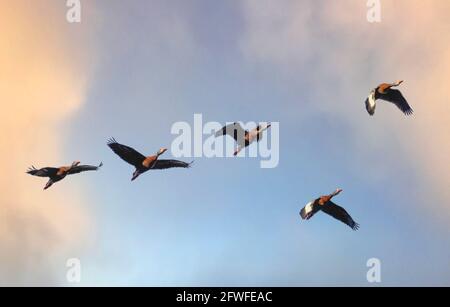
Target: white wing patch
(309, 207)
(371, 104)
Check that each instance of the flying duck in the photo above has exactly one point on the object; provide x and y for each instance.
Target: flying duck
(385, 92)
(242, 137)
(56, 174)
(325, 204)
(141, 162)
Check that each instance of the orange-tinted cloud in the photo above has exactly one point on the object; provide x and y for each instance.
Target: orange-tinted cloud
(42, 82)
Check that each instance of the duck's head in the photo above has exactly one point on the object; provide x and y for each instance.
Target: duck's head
(75, 163)
(263, 127)
(337, 191)
(161, 151)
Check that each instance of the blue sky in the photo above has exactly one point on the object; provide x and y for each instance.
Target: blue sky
(227, 222)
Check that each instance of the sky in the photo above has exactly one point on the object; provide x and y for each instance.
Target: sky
(131, 70)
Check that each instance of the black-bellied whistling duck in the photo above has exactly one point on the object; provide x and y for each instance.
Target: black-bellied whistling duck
(141, 162)
(325, 204)
(385, 92)
(59, 173)
(242, 137)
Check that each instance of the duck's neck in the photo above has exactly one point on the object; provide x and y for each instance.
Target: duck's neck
(68, 168)
(334, 193)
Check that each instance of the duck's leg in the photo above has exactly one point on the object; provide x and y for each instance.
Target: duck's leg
(49, 184)
(135, 174)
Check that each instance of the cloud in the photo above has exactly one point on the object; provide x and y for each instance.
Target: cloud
(42, 83)
(332, 46)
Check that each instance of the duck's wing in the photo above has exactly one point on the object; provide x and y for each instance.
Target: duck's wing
(397, 98)
(83, 168)
(234, 130)
(165, 164)
(340, 214)
(128, 154)
(371, 103)
(309, 210)
(42, 172)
